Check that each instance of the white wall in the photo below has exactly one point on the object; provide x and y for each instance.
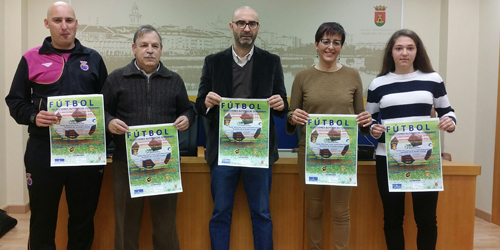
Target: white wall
(473, 52)
(15, 28)
(3, 113)
(486, 104)
(461, 74)
(427, 28)
(443, 40)
(37, 10)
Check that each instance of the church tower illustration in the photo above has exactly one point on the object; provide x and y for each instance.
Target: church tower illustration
(135, 16)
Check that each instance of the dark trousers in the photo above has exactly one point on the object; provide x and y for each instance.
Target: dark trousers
(424, 210)
(45, 184)
(128, 215)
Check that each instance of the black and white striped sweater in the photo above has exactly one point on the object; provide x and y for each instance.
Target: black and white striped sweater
(404, 98)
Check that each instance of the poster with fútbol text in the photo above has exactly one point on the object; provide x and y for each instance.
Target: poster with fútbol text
(153, 160)
(78, 137)
(331, 150)
(244, 132)
(414, 156)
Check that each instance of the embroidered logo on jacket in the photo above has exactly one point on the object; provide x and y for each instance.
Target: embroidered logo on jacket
(84, 66)
(47, 64)
(28, 179)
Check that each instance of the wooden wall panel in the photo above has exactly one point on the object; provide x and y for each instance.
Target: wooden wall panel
(495, 209)
(456, 207)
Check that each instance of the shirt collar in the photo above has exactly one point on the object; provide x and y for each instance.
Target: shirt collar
(144, 72)
(245, 59)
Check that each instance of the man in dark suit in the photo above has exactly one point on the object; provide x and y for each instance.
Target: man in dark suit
(241, 71)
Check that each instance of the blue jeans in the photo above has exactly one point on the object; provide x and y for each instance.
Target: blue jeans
(257, 183)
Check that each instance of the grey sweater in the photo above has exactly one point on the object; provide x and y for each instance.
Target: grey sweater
(136, 100)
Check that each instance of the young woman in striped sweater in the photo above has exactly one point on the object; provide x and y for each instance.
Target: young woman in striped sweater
(406, 90)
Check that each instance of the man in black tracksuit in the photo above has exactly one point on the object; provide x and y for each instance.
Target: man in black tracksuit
(60, 66)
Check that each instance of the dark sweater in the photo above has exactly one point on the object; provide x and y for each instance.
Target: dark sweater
(242, 80)
(132, 98)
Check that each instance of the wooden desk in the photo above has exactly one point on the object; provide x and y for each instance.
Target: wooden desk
(456, 208)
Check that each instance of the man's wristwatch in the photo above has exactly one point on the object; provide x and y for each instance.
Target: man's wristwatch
(33, 118)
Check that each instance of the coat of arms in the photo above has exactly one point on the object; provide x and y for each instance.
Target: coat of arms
(380, 15)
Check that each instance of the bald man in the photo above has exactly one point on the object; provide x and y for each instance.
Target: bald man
(60, 66)
(241, 71)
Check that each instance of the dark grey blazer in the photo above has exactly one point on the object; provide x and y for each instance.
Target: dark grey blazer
(217, 76)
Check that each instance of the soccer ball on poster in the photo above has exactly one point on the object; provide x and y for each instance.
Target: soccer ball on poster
(242, 125)
(75, 123)
(150, 151)
(329, 141)
(409, 148)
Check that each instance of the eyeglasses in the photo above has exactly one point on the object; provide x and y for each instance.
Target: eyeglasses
(327, 42)
(242, 24)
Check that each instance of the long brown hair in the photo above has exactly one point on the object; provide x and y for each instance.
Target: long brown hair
(421, 62)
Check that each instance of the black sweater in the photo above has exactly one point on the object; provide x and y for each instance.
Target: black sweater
(136, 100)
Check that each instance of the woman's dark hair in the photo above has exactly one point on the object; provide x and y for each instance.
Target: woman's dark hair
(421, 62)
(330, 29)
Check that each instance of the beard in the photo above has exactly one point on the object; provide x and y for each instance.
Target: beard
(244, 42)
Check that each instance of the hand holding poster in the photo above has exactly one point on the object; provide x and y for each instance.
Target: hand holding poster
(153, 160)
(414, 156)
(78, 137)
(244, 133)
(331, 150)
